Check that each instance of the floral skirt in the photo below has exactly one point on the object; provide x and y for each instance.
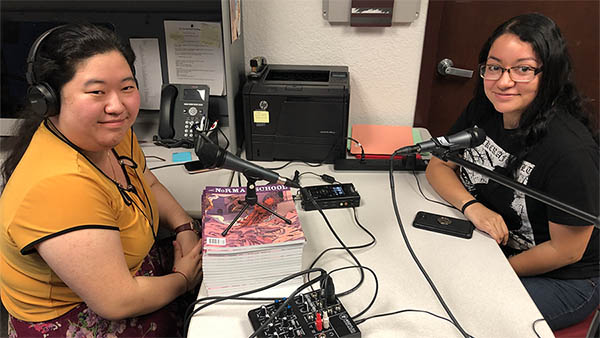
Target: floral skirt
(83, 322)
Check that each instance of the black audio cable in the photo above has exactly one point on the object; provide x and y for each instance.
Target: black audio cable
(423, 194)
(344, 246)
(360, 246)
(331, 179)
(412, 253)
(324, 177)
(362, 150)
(533, 326)
(374, 292)
(314, 165)
(167, 165)
(360, 321)
(190, 312)
(284, 304)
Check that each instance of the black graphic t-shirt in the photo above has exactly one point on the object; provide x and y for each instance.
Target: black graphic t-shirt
(563, 165)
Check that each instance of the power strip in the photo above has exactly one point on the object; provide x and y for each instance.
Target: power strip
(308, 315)
(404, 164)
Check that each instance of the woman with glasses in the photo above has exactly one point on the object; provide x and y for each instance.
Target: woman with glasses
(80, 209)
(539, 135)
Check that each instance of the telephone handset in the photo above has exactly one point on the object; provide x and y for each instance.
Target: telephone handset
(183, 114)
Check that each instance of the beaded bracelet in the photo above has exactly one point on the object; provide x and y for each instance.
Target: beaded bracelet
(187, 281)
(464, 207)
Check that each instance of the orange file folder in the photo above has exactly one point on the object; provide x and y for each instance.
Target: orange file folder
(381, 141)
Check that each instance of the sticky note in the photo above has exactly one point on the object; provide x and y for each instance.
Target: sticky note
(182, 157)
(261, 116)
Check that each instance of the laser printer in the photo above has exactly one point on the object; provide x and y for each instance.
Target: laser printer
(297, 112)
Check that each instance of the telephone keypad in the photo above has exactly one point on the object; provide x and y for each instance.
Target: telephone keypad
(189, 124)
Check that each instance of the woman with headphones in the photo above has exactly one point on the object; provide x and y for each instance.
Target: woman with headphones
(80, 209)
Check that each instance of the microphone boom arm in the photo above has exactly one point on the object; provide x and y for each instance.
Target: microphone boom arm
(453, 157)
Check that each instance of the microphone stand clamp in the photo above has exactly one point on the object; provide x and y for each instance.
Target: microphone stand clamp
(441, 151)
(251, 199)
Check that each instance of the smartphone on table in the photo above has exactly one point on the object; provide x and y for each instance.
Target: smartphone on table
(195, 167)
(443, 224)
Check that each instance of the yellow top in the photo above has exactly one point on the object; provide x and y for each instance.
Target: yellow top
(53, 190)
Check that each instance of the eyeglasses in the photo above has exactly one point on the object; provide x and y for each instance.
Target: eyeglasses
(517, 73)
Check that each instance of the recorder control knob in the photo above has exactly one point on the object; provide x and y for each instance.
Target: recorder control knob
(193, 111)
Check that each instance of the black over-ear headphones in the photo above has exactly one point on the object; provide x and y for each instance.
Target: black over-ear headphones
(41, 97)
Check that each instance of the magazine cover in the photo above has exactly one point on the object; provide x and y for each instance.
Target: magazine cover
(256, 227)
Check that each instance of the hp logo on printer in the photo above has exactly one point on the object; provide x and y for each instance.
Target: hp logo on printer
(263, 104)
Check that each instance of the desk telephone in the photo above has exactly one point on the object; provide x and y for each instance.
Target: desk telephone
(183, 114)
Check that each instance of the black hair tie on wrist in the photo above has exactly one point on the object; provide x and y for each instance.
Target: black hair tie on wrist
(464, 207)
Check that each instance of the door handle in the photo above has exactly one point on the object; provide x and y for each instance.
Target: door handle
(445, 68)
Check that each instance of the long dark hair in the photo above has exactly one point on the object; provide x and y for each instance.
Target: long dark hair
(557, 93)
(56, 62)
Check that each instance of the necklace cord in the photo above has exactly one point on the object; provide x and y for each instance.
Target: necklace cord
(122, 191)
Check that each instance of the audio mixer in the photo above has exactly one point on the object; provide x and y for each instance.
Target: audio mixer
(308, 315)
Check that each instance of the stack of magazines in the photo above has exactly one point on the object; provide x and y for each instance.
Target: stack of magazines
(259, 248)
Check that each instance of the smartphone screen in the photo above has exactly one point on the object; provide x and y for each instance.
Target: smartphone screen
(443, 224)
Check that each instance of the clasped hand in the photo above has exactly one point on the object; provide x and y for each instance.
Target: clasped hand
(488, 221)
(188, 257)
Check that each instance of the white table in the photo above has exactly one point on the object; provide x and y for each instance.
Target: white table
(473, 276)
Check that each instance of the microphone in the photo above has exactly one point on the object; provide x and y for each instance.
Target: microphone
(467, 138)
(211, 155)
